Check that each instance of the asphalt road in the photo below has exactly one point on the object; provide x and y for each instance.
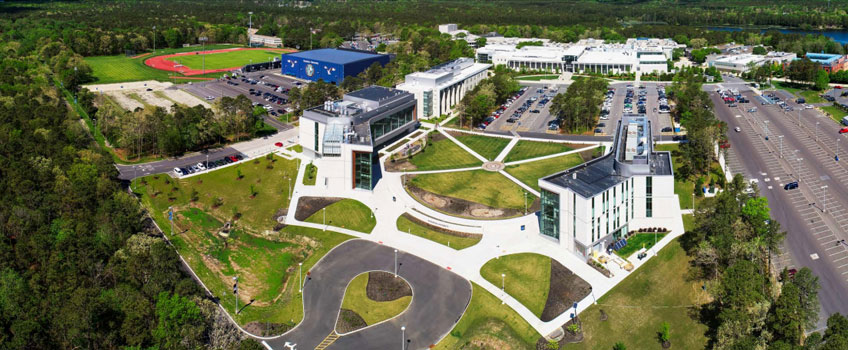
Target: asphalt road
(811, 234)
(129, 172)
(439, 299)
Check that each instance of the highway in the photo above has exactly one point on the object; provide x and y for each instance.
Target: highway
(812, 231)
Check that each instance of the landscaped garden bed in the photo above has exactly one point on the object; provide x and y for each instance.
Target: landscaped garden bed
(340, 212)
(644, 238)
(373, 297)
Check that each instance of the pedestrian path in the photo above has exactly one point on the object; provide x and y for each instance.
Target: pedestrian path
(506, 149)
(466, 148)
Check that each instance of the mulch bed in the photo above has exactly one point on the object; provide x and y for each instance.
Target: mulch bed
(384, 286)
(349, 321)
(441, 229)
(307, 206)
(566, 288)
(568, 338)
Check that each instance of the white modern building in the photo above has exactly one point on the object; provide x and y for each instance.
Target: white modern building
(347, 133)
(741, 63)
(588, 208)
(263, 40)
(587, 55)
(442, 87)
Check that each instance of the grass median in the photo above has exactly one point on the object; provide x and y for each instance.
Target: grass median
(486, 146)
(357, 300)
(532, 149)
(346, 213)
(488, 322)
(529, 173)
(442, 153)
(527, 278)
(478, 186)
(410, 226)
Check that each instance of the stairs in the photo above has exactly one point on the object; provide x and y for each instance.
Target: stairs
(330, 339)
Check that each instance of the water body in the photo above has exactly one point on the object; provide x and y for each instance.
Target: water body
(837, 35)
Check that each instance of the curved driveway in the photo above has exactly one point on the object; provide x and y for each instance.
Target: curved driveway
(440, 297)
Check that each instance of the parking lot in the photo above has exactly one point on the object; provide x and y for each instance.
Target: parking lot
(652, 109)
(261, 87)
(530, 112)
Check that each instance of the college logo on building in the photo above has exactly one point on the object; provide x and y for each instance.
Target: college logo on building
(310, 70)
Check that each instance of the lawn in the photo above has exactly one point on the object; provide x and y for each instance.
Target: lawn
(528, 278)
(688, 222)
(639, 241)
(346, 213)
(372, 312)
(265, 265)
(488, 321)
(684, 190)
(232, 194)
(455, 242)
(311, 174)
(530, 173)
(660, 291)
(479, 186)
(120, 68)
(443, 154)
(835, 113)
(537, 77)
(226, 59)
(810, 96)
(488, 147)
(532, 149)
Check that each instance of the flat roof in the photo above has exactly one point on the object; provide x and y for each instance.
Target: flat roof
(825, 58)
(337, 56)
(598, 175)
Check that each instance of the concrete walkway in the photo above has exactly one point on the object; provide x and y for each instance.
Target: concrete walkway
(506, 149)
(389, 200)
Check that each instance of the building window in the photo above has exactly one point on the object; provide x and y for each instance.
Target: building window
(316, 137)
(649, 186)
(549, 222)
(573, 215)
(362, 170)
(649, 206)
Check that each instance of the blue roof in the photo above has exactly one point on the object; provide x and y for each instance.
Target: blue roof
(822, 58)
(334, 55)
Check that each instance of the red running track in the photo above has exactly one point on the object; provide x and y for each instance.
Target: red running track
(162, 62)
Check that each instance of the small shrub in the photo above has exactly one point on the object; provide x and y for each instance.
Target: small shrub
(665, 329)
(552, 345)
(619, 346)
(194, 195)
(217, 202)
(573, 328)
(239, 175)
(253, 192)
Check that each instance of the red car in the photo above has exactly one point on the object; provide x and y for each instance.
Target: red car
(724, 144)
(843, 130)
(837, 87)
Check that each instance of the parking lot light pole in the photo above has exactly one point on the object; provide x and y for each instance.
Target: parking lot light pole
(324, 213)
(396, 265)
(817, 131)
(824, 198)
(799, 117)
(765, 123)
(300, 277)
(837, 148)
(402, 337)
(525, 202)
(203, 40)
(781, 145)
(154, 40)
(799, 169)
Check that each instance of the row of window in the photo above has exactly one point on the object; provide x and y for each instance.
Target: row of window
(388, 124)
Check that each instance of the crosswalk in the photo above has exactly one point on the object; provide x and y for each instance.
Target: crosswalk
(329, 340)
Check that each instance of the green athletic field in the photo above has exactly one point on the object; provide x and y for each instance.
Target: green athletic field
(120, 68)
(226, 59)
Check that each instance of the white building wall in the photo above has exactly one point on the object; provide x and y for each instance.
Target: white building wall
(307, 136)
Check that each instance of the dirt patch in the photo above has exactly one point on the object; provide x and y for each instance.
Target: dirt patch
(399, 166)
(589, 154)
(384, 286)
(267, 329)
(566, 288)
(441, 229)
(349, 321)
(307, 206)
(463, 208)
(493, 334)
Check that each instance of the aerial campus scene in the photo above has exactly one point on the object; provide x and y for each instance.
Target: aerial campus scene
(424, 174)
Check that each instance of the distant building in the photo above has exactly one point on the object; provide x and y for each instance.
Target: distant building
(348, 133)
(440, 88)
(586, 56)
(330, 65)
(829, 62)
(591, 206)
(741, 63)
(263, 40)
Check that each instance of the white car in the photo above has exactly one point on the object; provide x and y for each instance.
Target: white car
(738, 129)
(808, 106)
(201, 166)
(178, 171)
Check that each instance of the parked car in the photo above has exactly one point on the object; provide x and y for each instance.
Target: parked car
(737, 129)
(791, 186)
(800, 100)
(667, 129)
(843, 130)
(178, 171)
